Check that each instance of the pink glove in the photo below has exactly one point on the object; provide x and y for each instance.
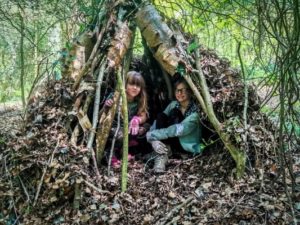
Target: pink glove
(108, 102)
(134, 125)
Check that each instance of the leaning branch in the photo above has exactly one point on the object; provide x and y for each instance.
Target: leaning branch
(95, 117)
(125, 132)
(236, 154)
(92, 56)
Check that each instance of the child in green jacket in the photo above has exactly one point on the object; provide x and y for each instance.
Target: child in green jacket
(177, 128)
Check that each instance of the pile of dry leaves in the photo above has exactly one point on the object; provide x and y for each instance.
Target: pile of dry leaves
(45, 180)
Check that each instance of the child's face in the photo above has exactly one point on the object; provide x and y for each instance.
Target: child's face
(182, 93)
(132, 90)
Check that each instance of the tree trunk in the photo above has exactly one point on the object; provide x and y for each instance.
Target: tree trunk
(22, 60)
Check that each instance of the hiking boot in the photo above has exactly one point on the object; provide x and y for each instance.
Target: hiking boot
(160, 163)
(150, 156)
(161, 160)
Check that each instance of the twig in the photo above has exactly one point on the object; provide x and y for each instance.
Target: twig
(95, 118)
(246, 102)
(96, 105)
(44, 173)
(192, 159)
(97, 189)
(187, 160)
(12, 188)
(114, 140)
(175, 210)
(239, 201)
(17, 220)
(95, 165)
(174, 220)
(25, 189)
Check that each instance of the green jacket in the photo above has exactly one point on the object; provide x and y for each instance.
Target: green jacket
(188, 131)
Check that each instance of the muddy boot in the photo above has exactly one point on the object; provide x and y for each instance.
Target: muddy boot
(158, 147)
(150, 156)
(160, 163)
(161, 160)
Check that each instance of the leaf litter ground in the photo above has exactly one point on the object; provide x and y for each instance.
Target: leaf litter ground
(199, 190)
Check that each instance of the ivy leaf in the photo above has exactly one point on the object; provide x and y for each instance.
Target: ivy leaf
(180, 69)
(202, 146)
(63, 53)
(55, 63)
(68, 45)
(192, 46)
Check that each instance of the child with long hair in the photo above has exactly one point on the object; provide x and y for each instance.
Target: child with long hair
(137, 112)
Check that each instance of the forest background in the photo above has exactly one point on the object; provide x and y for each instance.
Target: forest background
(260, 37)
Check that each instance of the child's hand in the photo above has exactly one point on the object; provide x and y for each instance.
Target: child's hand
(134, 125)
(109, 102)
(159, 147)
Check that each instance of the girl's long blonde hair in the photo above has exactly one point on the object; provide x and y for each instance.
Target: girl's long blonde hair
(135, 78)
